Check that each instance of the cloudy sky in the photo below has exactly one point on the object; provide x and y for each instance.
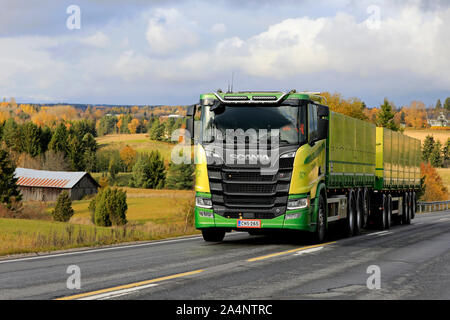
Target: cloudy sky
(168, 52)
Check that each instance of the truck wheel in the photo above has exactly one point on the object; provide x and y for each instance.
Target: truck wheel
(213, 235)
(358, 213)
(407, 214)
(321, 223)
(383, 215)
(414, 204)
(389, 212)
(366, 208)
(350, 221)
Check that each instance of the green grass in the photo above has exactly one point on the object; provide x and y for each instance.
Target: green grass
(140, 142)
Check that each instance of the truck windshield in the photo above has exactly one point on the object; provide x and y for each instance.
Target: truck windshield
(289, 120)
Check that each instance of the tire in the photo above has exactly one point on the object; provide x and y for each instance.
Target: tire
(358, 213)
(389, 212)
(414, 204)
(407, 215)
(383, 215)
(350, 221)
(213, 235)
(366, 208)
(320, 234)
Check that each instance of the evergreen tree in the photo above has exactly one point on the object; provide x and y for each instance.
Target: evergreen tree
(31, 139)
(109, 207)
(427, 149)
(436, 158)
(58, 143)
(63, 210)
(157, 130)
(89, 143)
(9, 192)
(11, 135)
(180, 176)
(446, 151)
(438, 105)
(385, 117)
(149, 171)
(75, 152)
(447, 104)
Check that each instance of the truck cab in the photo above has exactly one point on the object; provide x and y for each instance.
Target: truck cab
(260, 162)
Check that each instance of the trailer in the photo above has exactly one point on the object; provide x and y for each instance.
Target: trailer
(325, 167)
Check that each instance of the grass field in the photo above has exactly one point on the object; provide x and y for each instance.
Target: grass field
(445, 175)
(441, 135)
(152, 214)
(140, 142)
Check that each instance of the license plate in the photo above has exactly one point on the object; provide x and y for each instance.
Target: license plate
(249, 223)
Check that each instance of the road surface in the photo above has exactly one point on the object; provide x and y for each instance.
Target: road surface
(413, 263)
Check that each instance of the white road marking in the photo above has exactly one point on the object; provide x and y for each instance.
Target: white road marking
(308, 251)
(107, 249)
(118, 293)
(380, 233)
(444, 219)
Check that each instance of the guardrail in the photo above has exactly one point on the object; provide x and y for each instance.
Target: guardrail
(423, 206)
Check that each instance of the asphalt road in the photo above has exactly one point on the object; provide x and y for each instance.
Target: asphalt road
(413, 263)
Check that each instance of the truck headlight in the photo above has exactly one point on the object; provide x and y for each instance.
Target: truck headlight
(203, 202)
(300, 203)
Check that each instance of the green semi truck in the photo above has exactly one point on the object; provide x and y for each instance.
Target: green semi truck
(324, 167)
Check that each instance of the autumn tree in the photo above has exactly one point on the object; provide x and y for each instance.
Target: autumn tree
(352, 107)
(133, 125)
(435, 189)
(128, 156)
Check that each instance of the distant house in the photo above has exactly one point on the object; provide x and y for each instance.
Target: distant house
(41, 185)
(440, 121)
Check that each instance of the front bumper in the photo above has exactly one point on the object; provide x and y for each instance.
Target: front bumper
(301, 223)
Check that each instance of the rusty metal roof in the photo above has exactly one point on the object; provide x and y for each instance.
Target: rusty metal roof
(50, 179)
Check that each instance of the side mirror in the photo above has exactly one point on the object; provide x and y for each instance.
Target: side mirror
(323, 113)
(190, 120)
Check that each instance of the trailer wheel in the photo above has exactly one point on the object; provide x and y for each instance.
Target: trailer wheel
(213, 235)
(321, 224)
(407, 214)
(366, 208)
(350, 221)
(414, 204)
(389, 212)
(358, 212)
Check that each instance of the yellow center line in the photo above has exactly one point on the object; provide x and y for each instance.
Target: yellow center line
(131, 285)
(276, 254)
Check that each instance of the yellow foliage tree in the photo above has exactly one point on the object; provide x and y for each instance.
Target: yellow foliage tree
(133, 125)
(128, 156)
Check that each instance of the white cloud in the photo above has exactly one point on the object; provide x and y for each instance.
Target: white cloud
(218, 28)
(99, 40)
(168, 31)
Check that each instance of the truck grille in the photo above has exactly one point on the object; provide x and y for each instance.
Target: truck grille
(245, 192)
